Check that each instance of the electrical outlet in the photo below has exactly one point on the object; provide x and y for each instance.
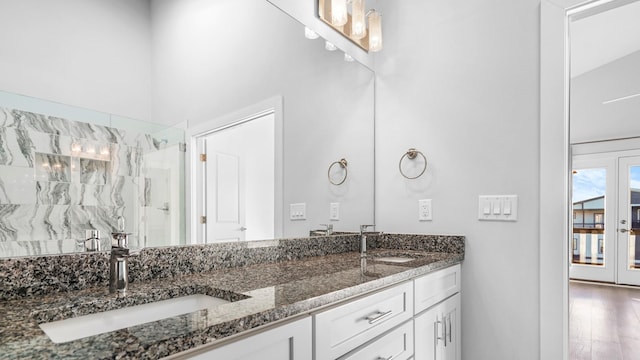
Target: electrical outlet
(424, 210)
(334, 211)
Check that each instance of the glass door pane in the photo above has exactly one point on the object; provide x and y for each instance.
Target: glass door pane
(629, 222)
(634, 216)
(589, 190)
(592, 248)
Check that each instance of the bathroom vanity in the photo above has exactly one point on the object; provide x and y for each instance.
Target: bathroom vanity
(297, 298)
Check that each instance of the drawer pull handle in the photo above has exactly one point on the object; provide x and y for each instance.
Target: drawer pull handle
(384, 358)
(378, 316)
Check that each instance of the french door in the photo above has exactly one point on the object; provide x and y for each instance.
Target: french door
(606, 218)
(629, 221)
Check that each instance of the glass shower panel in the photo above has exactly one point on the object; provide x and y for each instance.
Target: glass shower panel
(588, 245)
(65, 170)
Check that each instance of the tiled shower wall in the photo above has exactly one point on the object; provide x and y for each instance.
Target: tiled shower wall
(59, 178)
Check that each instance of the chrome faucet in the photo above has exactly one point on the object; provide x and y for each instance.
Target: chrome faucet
(119, 260)
(363, 249)
(363, 240)
(329, 228)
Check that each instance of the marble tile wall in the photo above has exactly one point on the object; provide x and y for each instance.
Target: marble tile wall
(60, 177)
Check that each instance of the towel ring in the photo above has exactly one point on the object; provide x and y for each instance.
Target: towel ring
(343, 164)
(412, 154)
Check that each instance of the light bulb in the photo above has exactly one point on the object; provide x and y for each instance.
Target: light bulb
(338, 12)
(375, 31)
(329, 46)
(310, 34)
(358, 27)
(348, 58)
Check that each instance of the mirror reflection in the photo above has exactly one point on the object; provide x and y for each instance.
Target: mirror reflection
(213, 64)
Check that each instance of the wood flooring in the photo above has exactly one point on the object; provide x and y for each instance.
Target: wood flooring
(604, 322)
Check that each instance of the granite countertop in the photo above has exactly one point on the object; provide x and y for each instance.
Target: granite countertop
(258, 294)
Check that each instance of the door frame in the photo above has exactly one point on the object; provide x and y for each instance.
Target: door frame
(194, 171)
(555, 175)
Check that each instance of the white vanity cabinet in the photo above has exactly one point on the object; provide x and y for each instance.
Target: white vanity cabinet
(437, 331)
(346, 327)
(437, 320)
(292, 341)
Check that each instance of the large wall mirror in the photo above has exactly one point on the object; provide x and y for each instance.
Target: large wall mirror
(212, 64)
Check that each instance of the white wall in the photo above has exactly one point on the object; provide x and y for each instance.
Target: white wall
(459, 80)
(212, 58)
(87, 53)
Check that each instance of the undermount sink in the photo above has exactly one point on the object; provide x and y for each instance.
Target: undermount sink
(394, 259)
(94, 324)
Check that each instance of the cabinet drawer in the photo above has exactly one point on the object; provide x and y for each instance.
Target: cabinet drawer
(435, 287)
(344, 328)
(397, 345)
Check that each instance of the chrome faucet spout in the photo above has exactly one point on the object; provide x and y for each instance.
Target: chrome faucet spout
(119, 260)
(363, 240)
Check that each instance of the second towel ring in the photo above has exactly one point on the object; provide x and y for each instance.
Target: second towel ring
(343, 164)
(412, 154)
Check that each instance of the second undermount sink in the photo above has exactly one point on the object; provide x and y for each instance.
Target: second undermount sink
(94, 324)
(394, 259)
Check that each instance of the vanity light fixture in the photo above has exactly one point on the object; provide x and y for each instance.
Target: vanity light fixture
(339, 14)
(352, 24)
(358, 26)
(375, 31)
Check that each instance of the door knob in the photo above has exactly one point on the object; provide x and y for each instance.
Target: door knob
(624, 230)
(623, 222)
(242, 228)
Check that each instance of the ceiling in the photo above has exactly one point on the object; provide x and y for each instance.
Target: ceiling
(603, 37)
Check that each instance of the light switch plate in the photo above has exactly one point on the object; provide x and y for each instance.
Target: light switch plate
(298, 211)
(334, 211)
(498, 207)
(425, 210)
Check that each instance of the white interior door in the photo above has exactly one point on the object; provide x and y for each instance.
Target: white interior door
(593, 243)
(225, 216)
(239, 181)
(629, 221)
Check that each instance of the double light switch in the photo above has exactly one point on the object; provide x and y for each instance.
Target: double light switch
(498, 207)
